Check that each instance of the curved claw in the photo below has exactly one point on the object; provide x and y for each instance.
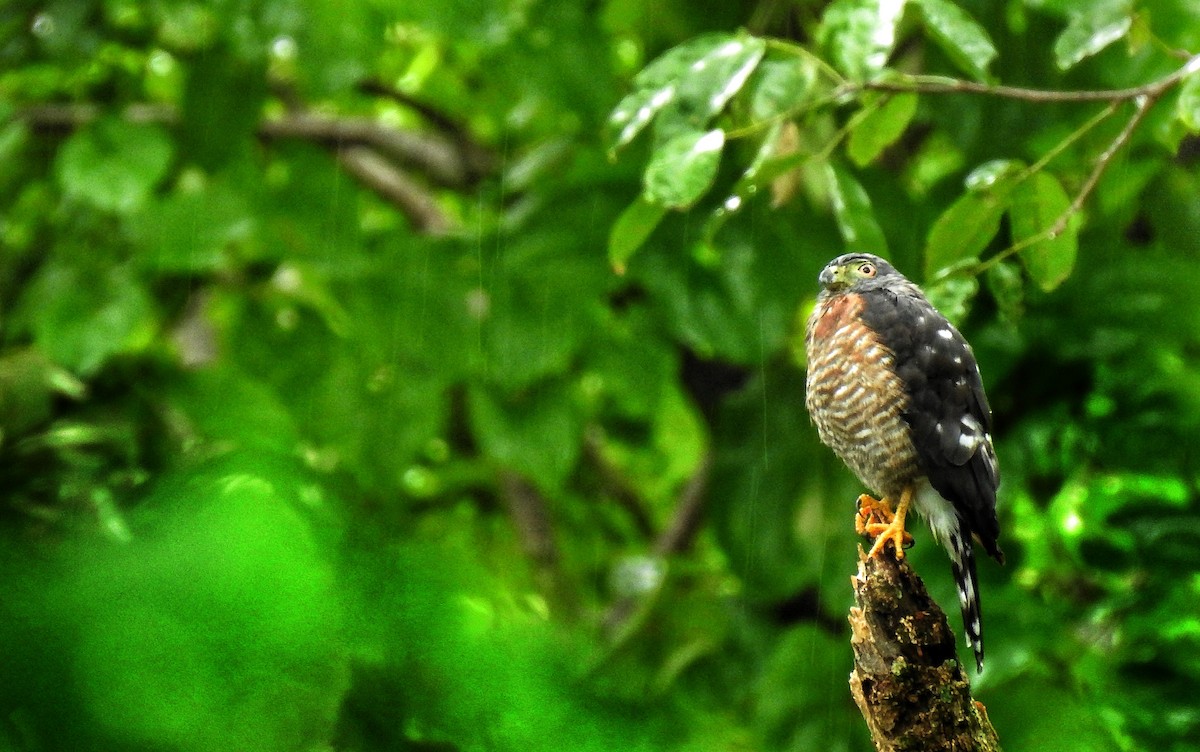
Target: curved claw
(870, 512)
(889, 528)
(900, 538)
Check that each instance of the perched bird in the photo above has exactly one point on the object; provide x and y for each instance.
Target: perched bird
(895, 391)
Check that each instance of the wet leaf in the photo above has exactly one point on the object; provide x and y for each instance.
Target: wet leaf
(859, 35)
(696, 80)
(964, 229)
(1091, 30)
(780, 86)
(987, 175)
(1035, 209)
(881, 128)
(1187, 108)
(852, 209)
(682, 169)
(961, 37)
(631, 230)
(1008, 289)
(113, 164)
(755, 176)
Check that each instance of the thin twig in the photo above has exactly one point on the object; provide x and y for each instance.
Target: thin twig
(685, 522)
(530, 516)
(430, 154)
(1070, 139)
(617, 485)
(676, 538)
(941, 85)
(1143, 104)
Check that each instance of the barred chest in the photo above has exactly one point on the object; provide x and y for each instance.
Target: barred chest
(855, 397)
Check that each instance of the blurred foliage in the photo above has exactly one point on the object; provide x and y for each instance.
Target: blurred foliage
(283, 470)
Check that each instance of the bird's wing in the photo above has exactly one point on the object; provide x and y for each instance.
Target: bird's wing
(947, 412)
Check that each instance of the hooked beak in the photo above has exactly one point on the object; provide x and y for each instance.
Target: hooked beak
(828, 275)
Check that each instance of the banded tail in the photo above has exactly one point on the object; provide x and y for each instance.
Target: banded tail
(962, 563)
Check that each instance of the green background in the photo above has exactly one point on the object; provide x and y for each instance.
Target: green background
(514, 456)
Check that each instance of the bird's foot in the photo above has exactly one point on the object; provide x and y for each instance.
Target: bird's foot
(893, 531)
(873, 517)
(883, 525)
(871, 511)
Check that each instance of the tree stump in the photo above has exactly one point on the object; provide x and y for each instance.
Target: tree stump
(907, 680)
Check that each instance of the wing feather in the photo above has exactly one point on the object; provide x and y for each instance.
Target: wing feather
(948, 412)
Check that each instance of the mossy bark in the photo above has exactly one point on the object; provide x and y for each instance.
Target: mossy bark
(907, 680)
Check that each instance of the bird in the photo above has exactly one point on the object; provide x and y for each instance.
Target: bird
(895, 391)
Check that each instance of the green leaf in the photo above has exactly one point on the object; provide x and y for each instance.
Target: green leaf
(987, 175)
(682, 169)
(880, 128)
(629, 362)
(754, 177)
(1090, 31)
(221, 107)
(82, 318)
(708, 85)
(961, 37)
(338, 39)
(859, 35)
(1034, 210)
(780, 86)
(953, 291)
(536, 433)
(191, 231)
(696, 80)
(113, 164)
(964, 230)
(1008, 289)
(29, 382)
(852, 209)
(631, 230)
(1187, 108)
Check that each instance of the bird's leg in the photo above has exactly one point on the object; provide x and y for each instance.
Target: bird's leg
(872, 513)
(894, 530)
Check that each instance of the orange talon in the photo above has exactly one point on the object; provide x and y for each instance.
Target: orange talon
(870, 512)
(893, 530)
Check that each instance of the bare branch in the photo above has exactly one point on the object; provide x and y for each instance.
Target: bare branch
(675, 539)
(428, 153)
(390, 182)
(907, 681)
(531, 518)
(616, 484)
(685, 522)
(479, 158)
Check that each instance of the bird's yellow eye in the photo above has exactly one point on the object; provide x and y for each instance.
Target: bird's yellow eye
(866, 269)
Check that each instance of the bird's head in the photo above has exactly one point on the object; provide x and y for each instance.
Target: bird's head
(858, 272)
